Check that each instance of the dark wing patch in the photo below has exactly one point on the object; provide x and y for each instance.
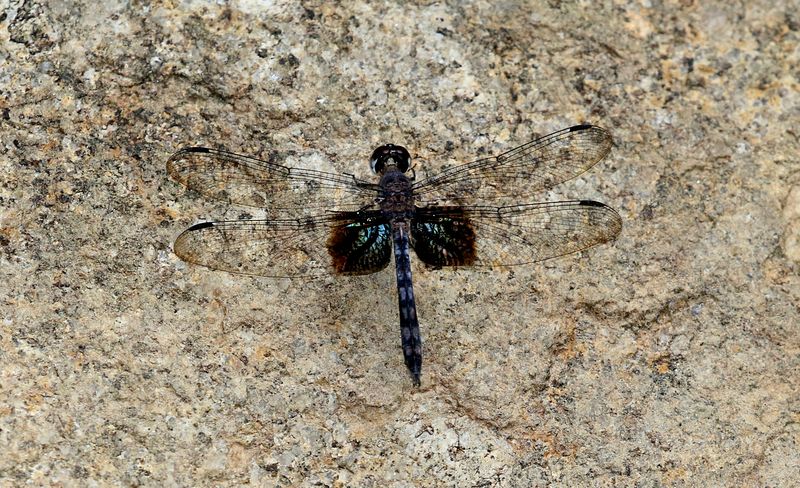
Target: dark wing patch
(274, 248)
(361, 247)
(518, 174)
(443, 237)
(243, 180)
(524, 234)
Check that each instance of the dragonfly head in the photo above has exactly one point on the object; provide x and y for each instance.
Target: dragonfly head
(390, 155)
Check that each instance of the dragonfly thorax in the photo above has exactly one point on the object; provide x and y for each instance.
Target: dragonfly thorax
(397, 198)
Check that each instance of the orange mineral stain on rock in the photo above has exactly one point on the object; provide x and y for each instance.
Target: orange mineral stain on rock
(238, 456)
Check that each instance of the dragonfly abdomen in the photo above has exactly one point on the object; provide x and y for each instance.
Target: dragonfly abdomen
(409, 326)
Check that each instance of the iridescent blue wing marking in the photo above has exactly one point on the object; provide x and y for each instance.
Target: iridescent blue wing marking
(443, 237)
(361, 246)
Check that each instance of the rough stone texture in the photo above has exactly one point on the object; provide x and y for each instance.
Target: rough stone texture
(670, 358)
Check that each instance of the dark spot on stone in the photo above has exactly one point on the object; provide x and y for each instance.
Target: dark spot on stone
(80, 472)
(290, 60)
(142, 114)
(647, 213)
(580, 87)
(431, 104)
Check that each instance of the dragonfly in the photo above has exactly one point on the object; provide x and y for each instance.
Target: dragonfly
(321, 223)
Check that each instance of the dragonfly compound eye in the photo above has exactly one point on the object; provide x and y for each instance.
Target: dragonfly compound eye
(390, 154)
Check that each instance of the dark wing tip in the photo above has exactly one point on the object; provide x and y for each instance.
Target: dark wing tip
(592, 203)
(187, 150)
(599, 136)
(583, 127)
(201, 225)
(611, 217)
(195, 149)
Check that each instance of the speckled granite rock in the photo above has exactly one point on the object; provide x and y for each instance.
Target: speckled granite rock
(670, 358)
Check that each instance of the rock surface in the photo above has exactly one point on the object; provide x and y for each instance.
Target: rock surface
(668, 358)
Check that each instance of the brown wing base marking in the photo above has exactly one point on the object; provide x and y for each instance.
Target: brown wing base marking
(446, 238)
(360, 248)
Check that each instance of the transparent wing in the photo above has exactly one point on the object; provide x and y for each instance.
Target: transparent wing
(278, 189)
(511, 235)
(345, 243)
(519, 173)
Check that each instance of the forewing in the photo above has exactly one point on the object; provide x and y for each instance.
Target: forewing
(342, 243)
(519, 173)
(279, 190)
(514, 235)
